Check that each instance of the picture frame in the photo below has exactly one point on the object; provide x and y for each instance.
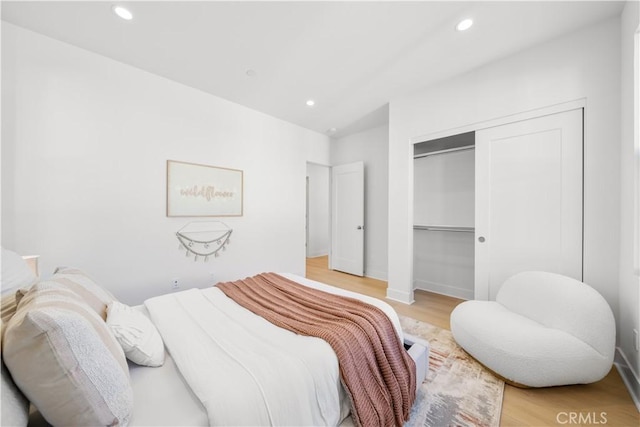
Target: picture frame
(197, 190)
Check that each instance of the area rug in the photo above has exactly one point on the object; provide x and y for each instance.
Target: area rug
(458, 391)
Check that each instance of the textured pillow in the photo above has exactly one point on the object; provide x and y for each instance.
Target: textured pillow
(138, 337)
(93, 294)
(15, 272)
(66, 361)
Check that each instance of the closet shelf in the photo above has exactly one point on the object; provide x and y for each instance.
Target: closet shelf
(444, 228)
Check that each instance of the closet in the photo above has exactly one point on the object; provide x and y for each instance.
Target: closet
(503, 199)
(444, 186)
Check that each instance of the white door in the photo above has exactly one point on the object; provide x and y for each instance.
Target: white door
(347, 218)
(528, 200)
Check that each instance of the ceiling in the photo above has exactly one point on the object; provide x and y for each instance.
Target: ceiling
(351, 58)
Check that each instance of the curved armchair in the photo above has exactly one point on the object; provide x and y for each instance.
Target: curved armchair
(544, 329)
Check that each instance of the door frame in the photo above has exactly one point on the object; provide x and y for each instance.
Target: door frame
(505, 120)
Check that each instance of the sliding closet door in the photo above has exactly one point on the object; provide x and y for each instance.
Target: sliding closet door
(528, 200)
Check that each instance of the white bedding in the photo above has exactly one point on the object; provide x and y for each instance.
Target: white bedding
(245, 370)
(162, 397)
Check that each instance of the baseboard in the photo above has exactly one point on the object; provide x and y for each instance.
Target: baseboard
(317, 254)
(629, 377)
(440, 288)
(376, 274)
(400, 296)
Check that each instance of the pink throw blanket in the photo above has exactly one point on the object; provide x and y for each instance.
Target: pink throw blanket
(376, 370)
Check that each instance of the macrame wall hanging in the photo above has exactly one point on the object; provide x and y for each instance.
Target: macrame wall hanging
(204, 239)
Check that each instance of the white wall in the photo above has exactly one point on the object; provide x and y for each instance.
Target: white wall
(585, 64)
(629, 282)
(371, 147)
(318, 242)
(444, 189)
(85, 141)
(319, 150)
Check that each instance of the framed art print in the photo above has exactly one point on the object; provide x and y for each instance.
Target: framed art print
(202, 190)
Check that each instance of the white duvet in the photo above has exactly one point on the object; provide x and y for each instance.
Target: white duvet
(247, 371)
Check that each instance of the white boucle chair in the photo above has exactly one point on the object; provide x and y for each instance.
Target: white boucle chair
(542, 330)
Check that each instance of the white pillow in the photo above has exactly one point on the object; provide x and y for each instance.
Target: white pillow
(137, 336)
(15, 272)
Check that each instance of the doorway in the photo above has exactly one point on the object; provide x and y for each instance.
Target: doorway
(317, 212)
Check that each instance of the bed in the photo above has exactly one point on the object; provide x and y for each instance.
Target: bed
(262, 374)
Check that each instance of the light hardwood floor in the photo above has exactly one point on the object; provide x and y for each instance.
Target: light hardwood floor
(606, 402)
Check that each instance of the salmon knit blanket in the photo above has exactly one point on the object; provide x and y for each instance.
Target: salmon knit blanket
(376, 371)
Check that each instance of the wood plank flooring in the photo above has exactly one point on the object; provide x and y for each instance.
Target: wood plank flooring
(606, 402)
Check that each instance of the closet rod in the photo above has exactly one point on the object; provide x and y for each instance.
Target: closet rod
(448, 150)
(444, 228)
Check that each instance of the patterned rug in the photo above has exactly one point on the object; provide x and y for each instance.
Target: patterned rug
(458, 391)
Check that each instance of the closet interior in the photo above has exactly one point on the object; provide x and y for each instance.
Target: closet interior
(444, 210)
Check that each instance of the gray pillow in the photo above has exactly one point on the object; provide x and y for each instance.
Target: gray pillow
(15, 407)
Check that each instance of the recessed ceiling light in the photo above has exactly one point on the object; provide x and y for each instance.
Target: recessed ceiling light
(464, 25)
(332, 130)
(123, 12)
(251, 73)
(311, 103)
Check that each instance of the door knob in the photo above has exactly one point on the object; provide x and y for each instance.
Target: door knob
(360, 227)
(481, 239)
